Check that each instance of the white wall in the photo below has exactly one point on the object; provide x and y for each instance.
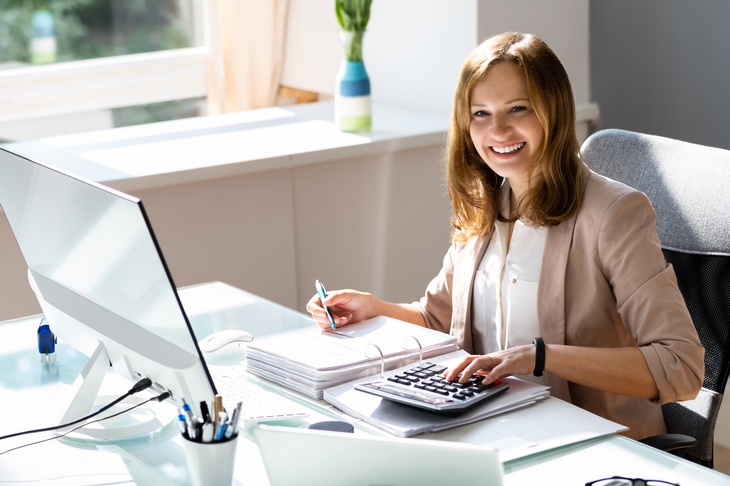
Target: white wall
(414, 48)
(563, 24)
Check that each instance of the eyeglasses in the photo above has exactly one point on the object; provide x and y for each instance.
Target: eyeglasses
(621, 481)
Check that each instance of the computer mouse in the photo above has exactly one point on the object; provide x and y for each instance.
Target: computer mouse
(227, 341)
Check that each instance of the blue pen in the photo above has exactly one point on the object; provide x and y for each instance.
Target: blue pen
(183, 424)
(323, 295)
(190, 419)
(222, 425)
(187, 410)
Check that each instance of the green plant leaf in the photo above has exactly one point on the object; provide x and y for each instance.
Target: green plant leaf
(353, 15)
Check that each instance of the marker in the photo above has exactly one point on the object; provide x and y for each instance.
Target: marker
(204, 412)
(217, 411)
(207, 435)
(323, 295)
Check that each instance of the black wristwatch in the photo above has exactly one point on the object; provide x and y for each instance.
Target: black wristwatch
(539, 356)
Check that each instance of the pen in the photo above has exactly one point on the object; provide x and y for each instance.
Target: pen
(190, 419)
(222, 425)
(187, 410)
(183, 424)
(323, 295)
(233, 423)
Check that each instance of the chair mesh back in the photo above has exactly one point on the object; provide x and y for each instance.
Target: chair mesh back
(696, 418)
(704, 281)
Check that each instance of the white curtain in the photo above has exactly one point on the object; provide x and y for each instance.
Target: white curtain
(246, 49)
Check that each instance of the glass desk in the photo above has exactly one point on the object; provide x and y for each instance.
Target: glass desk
(36, 394)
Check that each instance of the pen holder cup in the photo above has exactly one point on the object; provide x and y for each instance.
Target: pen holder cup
(211, 463)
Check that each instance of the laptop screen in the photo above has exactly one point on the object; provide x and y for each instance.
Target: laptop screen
(304, 456)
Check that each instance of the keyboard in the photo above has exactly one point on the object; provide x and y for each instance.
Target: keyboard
(424, 386)
(259, 404)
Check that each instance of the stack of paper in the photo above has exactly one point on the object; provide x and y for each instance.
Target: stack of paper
(310, 360)
(405, 421)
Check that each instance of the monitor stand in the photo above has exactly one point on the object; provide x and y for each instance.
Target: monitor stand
(138, 422)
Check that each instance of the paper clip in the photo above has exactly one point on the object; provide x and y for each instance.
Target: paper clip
(420, 348)
(382, 357)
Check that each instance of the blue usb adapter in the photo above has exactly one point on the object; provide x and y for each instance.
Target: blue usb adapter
(46, 342)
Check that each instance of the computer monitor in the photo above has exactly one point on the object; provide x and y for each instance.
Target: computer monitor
(101, 280)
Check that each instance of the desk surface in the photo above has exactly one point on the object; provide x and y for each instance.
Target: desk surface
(34, 394)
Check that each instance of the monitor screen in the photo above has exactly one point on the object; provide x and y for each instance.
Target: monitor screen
(100, 276)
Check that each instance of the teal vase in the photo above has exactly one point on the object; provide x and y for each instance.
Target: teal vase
(353, 108)
(43, 39)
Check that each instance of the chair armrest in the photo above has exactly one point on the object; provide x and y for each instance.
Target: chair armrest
(669, 442)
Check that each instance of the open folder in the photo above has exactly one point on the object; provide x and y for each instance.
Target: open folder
(406, 421)
(311, 360)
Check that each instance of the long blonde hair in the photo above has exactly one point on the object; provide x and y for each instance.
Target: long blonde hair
(554, 187)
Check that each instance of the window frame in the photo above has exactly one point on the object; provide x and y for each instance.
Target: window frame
(28, 92)
(99, 84)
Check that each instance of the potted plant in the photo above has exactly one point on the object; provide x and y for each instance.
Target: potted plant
(353, 17)
(352, 93)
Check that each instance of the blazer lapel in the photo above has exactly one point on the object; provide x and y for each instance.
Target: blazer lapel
(551, 290)
(463, 287)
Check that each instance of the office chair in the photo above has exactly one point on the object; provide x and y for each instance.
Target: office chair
(689, 187)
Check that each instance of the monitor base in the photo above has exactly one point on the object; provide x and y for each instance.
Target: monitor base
(141, 421)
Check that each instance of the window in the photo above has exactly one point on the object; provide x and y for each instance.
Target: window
(81, 65)
(45, 31)
(132, 61)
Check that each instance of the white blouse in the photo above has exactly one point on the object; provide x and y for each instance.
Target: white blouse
(505, 287)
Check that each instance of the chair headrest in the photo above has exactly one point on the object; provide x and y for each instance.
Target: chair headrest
(688, 184)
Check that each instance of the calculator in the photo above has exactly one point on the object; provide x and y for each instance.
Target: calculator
(425, 386)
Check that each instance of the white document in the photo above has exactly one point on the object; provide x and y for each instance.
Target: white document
(310, 360)
(546, 425)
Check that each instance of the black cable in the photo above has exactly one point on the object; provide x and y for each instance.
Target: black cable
(139, 386)
(159, 398)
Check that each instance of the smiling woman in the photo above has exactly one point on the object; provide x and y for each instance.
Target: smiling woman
(505, 128)
(555, 274)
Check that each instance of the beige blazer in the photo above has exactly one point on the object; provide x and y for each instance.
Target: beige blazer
(603, 283)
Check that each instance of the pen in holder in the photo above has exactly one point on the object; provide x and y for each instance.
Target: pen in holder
(210, 443)
(211, 463)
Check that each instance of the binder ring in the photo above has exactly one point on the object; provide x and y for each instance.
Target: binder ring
(420, 348)
(382, 357)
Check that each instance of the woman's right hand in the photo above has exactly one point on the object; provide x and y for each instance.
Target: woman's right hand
(347, 307)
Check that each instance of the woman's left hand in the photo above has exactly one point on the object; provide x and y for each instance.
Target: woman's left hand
(519, 360)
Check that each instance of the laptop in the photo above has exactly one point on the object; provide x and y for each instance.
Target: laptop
(323, 458)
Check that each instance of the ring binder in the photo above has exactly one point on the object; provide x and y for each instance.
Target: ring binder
(382, 357)
(310, 360)
(420, 348)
